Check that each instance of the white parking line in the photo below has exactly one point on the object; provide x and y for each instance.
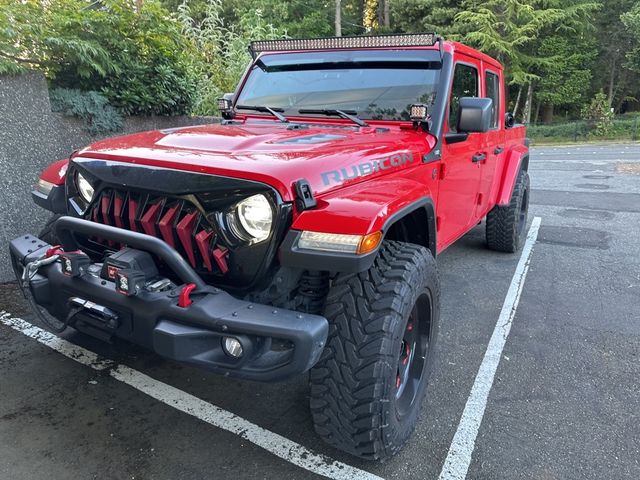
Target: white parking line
(272, 442)
(458, 459)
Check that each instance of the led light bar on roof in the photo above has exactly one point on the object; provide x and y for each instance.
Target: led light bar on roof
(329, 43)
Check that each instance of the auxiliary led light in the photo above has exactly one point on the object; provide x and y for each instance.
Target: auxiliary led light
(331, 43)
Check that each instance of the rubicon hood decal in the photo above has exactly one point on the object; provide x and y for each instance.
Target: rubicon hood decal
(338, 176)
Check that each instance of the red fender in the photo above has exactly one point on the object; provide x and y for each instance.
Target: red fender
(510, 173)
(363, 208)
(56, 172)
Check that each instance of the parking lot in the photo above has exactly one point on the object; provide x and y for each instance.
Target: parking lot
(564, 402)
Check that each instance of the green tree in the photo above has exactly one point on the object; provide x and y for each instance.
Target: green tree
(221, 49)
(134, 54)
(52, 36)
(562, 82)
(631, 21)
(511, 31)
(615, 43)
(424, 15)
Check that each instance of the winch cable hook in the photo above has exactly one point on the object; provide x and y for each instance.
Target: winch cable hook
(28, 273)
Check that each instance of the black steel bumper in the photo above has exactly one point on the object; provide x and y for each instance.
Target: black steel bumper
(276, 343)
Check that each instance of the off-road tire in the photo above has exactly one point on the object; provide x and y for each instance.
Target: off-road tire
(354, 392)
(506, 225)
(47, 233)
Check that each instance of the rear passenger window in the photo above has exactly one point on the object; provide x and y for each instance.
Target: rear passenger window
(465, 84)
(493, 91)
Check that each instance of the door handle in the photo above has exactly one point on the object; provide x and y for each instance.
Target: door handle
(498, 150)
(478, 157)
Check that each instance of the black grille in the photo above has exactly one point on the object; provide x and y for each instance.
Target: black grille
(177, 221)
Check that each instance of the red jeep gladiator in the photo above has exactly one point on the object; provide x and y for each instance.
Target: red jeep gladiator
(300, 233)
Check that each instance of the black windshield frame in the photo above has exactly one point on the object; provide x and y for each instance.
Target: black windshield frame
(424, 61)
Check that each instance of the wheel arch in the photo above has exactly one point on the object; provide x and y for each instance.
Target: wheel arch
(414, 223)
(517, 159)
(401, 208)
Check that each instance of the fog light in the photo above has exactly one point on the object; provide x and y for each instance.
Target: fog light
(232, 347)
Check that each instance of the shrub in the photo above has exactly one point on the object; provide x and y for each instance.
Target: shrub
(138, 59)
(92, 107)
(51, 36)
(599, 115)
(153, 60)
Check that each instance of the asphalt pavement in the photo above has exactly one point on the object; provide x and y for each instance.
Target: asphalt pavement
(564, 402)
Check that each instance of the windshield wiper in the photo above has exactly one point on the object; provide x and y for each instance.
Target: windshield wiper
(259, 108)
(348, 115)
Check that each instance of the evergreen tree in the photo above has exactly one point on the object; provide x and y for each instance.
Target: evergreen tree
(424, 15)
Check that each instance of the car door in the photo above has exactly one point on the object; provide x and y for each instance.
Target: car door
(492, 141)
(460, 175)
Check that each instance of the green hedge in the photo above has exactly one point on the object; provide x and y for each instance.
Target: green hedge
(625, 127)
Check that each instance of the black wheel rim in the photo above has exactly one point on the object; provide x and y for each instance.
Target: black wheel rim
(524, 208)
(413, 354)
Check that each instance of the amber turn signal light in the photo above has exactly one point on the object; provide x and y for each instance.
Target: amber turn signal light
(369, 242)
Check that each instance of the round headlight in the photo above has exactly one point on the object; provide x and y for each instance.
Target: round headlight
(255, 217)
(84, 188)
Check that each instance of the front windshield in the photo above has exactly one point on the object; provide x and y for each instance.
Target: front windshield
(375, 85)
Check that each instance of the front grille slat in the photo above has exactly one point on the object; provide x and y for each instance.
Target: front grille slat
(132, 205)
(167, 223)
(150, 219)
(185, 229)
(118, 209)
(203, 241)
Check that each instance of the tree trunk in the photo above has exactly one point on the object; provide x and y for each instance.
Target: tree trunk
(527, 105)
(338, 23)
(139, 4)
(612, 77)
(624, 90)
(387, 20)
(517, 105)
(547, 114)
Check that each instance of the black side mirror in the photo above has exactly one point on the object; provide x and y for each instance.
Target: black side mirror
(509, 120)
(474, 114)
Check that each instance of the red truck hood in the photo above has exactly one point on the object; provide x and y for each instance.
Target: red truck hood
(328, 156)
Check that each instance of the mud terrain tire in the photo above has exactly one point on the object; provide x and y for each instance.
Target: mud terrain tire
(506, 225)
(367, 389)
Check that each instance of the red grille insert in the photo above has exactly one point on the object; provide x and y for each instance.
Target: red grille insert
(203, 240)
(133, 208)
(150, 218)
(118, 206)
(166, 218)
(185, 230)
(166, 224)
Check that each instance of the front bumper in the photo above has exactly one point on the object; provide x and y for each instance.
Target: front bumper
(276, 343)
